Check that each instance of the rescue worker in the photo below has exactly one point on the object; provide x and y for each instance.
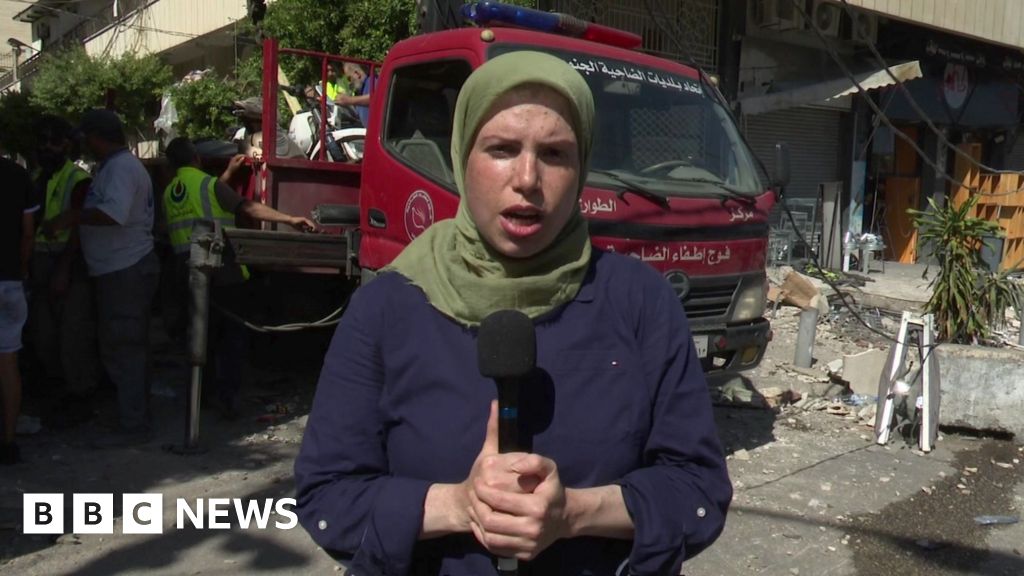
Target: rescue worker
(115, 224)
(361, 87)
(63, 318)
(195, 195)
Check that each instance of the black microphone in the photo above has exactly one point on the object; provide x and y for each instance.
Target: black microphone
(507, 353)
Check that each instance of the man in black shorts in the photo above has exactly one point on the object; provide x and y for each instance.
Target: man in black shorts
(18, 205)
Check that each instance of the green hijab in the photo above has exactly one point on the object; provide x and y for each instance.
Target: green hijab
(464, 277)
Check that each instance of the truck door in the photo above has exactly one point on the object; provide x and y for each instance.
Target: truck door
(408, 183)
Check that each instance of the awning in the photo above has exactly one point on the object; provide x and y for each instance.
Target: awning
(36, 11)
(829, 90)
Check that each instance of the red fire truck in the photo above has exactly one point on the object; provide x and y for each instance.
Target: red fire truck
(671, 181)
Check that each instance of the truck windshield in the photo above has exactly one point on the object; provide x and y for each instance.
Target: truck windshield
(660, 131)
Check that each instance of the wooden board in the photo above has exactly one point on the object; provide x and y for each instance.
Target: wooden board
(901, 237)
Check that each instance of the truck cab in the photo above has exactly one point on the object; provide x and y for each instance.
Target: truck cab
(671, 180)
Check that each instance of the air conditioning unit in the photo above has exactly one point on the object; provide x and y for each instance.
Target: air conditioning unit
(777, 15)
(865, 28)
(827, 17)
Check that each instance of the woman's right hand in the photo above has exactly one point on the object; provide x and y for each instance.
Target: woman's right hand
(493, 469)
(447, 508)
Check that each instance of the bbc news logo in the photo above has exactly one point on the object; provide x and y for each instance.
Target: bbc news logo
(144, 513)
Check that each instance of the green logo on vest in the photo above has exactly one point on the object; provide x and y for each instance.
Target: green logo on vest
(178, 193)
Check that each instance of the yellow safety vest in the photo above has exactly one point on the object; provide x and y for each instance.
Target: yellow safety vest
(332, 91)
(58, 200)
(191, 197)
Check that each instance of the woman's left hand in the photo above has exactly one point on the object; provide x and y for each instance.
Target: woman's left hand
(511, 524)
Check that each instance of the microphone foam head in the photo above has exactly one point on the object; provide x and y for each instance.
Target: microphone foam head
(506, 345)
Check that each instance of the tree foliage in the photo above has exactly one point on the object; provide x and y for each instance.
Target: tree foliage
(373, 26)
(358, 28)
(203, 107)
(17, 117)
(308, 24)
(70, 82)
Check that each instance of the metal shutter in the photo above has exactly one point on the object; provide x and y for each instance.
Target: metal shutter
(1015, 157)
(814, 147)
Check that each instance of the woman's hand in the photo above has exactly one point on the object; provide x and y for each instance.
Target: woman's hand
(517, 504)
(447, 507)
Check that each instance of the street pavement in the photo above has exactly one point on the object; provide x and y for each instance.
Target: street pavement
(814, 494)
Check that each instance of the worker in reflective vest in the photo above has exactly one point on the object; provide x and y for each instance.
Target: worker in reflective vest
(191, 196)
(63, 326)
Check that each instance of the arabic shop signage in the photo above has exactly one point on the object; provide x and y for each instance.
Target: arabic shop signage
(976, 58)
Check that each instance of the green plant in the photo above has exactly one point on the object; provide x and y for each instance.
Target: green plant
(70, 82)
(203, 107)
(137, 83)
(995, 292)
(967, 300)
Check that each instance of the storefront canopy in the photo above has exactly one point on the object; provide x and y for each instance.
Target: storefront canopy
(829, 90)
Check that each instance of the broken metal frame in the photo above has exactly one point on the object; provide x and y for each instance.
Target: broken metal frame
(209, 243)
(894, 382)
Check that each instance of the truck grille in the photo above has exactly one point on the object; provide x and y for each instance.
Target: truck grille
(711, 301)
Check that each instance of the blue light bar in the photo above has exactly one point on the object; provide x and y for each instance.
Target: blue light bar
(495, 13)
(483, 13)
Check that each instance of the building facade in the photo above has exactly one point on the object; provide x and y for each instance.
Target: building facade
(787, 65)
(188, 34)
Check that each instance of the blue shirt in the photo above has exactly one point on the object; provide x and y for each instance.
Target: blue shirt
(364, 111)
(123, 190)
(621, 400)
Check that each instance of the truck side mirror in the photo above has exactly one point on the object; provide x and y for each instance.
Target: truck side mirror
(780, 175)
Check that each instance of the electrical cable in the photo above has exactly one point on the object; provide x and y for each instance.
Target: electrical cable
(885, 119)
(901, 86)
(800, 236)
(328, 321)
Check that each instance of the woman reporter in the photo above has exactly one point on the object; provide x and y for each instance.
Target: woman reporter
(399, 471)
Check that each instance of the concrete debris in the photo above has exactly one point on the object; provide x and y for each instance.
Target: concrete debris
(836, 409)
(976, 388)
(835, 367)
(776, 397)
(862, 371)
(798, 290)
(868, 412)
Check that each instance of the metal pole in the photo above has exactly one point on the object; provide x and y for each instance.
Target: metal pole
(204, 258)
(805, 338)
(199, 310)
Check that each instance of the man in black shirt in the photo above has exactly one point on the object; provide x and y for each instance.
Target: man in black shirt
(18, 204)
